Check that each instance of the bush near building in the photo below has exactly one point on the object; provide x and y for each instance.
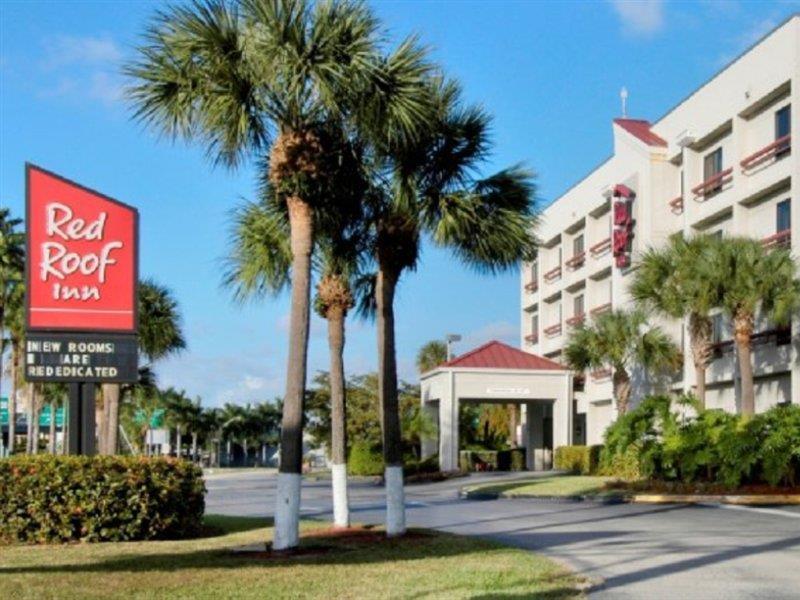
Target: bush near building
(99, 498)
(492, 460)
(579, 460)
(655, 442)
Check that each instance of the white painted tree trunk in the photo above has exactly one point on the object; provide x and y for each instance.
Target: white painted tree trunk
(341, 509)
(395, 502)
(178, 442)
(287, 511)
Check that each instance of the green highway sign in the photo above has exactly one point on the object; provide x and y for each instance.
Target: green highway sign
(44, 416)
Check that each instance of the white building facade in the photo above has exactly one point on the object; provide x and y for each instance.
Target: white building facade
(721, 162)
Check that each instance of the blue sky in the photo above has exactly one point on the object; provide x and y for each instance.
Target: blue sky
(549, 72)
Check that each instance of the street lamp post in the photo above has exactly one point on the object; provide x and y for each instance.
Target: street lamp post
(450, 338)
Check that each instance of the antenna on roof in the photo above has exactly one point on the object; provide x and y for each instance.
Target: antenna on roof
(623, 95)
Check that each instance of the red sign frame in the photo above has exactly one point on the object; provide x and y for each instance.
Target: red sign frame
(82, 248)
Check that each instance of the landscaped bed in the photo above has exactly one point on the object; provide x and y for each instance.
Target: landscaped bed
(359, 563)
(556, 486)
(582, 487)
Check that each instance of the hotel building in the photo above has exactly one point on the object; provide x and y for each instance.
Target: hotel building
(721, 162)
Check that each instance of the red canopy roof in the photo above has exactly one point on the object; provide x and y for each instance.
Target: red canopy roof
(640, 128)
(497, 355)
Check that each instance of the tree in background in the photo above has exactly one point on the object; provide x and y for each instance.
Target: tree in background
(160, 334)
(12, 281)
(672, 282)
(621, 341)
(431, 355)
(752, 280)
(241, 77)
(15, 325)
(179, 414)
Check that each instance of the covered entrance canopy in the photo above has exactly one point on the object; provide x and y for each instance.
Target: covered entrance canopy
(497, 372)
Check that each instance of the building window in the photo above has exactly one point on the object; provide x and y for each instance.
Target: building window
(712, 166)
(783, 216)
(783, 119)
(717, 329)
(577, 245)
(577, 305)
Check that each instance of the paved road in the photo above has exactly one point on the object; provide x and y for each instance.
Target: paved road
(631, 551)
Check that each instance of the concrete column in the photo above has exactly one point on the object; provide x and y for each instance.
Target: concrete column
(534, 434)
(562, 415)
(429, 445)
(795, 207)
(448, 427)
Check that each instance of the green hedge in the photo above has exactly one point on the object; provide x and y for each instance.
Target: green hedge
(654, 442)
(103, 498)
(492, 460)
(365, 460)
(583, 460)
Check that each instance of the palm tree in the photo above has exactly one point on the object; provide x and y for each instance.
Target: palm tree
(15, 323)
(12, 275)
(241, 77)
(671, 282)
(752, 280)
(621, 341)
(426, 186)
(159, 335)
(431, 355)
(179, 414)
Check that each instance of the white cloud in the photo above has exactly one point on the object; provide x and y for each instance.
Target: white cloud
(640, 17)
(63, 50)
(81, 69)
(251, 382)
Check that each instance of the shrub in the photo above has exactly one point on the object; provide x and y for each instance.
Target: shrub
(511, 460)
(582, 460)
(414, 466)
(99, 498)
(714, 447)
(365, 459)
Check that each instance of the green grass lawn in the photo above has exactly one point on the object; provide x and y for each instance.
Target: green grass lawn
(555, 486)
(362, 564)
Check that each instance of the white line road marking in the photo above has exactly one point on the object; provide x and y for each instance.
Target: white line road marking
(766, 511)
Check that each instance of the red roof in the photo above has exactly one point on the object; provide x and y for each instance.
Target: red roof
(497, 355)
(640, 128)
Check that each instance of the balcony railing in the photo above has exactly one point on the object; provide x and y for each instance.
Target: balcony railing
(714, 184)
(782, 239)
(576, 320)
(676, 204)
(781, 146)
(598, 310)
(553, 330)
(601, 247)
(599, 374)
(576, 261)
(779, 335)
(532, 338)
(553, 274)
(531, 286)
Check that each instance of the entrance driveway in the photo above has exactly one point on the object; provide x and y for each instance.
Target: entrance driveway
(629, 551)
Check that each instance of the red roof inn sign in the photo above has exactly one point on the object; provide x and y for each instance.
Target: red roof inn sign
(81, 283)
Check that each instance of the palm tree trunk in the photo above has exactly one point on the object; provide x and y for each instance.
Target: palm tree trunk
(12, 397)
(622, 389)
(244, 447)
(52, 436)
(37, 411)
(287, 511)
(336, 333)
(110, 431)
(178, 441)
(194, 446)
(700, 339)
(29, 433)
(387, 396)
(743, 325)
